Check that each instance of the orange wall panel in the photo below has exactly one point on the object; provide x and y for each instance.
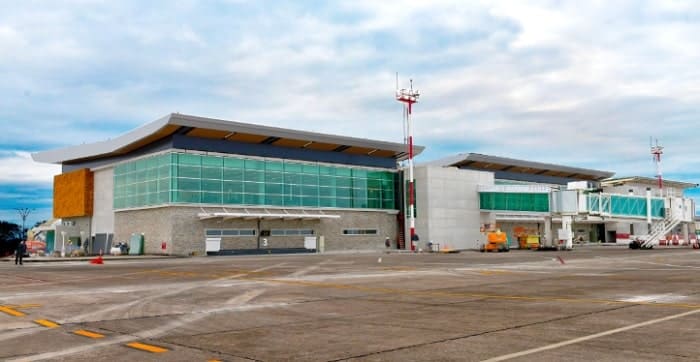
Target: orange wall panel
(73, 194)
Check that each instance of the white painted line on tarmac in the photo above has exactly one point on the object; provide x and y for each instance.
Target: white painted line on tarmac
(403, 273)
(673, 265)
(305, 271)
(589, 337)
(28, 328)
(660, 298)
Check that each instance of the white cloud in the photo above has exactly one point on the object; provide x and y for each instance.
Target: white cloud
(578, 83)
(17, 167)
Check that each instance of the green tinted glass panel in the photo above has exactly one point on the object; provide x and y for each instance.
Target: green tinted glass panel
(211, 197)
(292, 167)
(230, 180)
(189, 159)
(230, 162)
(212, 161)
(233, 174)
(274, 189)
(140, 182)
(274, 166)
(511, 201)
(309, 201)
(657, 207)
(211, 185)
(211, 173)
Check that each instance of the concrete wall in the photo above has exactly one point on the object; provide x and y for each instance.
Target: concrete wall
(72, 226)
(184, 233)
(103, 214)
(448, 206)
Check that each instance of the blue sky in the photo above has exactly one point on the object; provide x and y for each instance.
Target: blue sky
(577, 83)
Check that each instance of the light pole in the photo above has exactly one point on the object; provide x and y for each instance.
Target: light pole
(83, 241)
(23, 213)
(63, 244)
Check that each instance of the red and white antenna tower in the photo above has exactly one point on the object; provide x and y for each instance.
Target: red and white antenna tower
(408, 97)
(656, 152)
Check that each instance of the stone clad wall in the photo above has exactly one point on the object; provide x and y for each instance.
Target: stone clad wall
(184, 232)
(154, 223)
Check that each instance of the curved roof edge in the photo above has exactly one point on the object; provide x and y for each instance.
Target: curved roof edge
(141, 134)
(466, 159)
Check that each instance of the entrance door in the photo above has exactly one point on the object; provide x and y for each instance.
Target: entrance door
(50, 236)
(612, 236)
(599, 233)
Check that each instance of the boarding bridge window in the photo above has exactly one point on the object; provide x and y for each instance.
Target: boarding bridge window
(213, 233)
(291, 232)
(360, 232)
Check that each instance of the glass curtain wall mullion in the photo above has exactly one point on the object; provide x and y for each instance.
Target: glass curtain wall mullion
(228, 180)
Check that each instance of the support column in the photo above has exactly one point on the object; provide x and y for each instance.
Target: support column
(685, 233)
(649, 210)
(547, 237)
(566, 225)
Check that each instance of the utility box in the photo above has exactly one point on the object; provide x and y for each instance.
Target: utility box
(310, 242)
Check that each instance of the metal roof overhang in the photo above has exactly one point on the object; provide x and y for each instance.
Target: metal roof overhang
(494, 163)
(265, 215)
(210, 128)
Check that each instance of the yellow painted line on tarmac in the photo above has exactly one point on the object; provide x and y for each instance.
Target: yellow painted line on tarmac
(146, 347)
(11, 311)
(399, 268)
(214, 360)
(433, 293)
(495, 272)
(23, 306)
(46, 323)
(84, 333)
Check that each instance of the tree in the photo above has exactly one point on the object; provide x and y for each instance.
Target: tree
(10, 236)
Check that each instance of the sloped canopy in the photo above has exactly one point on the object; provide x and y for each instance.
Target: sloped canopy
(476, 161)
(218, 129)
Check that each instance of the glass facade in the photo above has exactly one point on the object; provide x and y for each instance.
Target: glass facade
(514, 201)
(624, 205)
(174, 178)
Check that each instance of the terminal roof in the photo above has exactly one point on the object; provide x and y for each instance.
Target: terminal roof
(647, 181)
(211, 128)
(476, 161)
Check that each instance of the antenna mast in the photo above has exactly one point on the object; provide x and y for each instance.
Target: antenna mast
(656, 152)
(408, 97)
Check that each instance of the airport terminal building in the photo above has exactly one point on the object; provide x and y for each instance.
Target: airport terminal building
(460, 198)
(191, 185)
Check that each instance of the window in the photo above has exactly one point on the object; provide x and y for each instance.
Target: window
(229, 232)
(360, 232)
(291, 232)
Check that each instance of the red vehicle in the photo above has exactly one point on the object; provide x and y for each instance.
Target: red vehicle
(34, 246)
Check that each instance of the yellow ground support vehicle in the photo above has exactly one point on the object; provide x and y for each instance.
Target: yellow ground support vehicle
(496, 241)
(531, 242)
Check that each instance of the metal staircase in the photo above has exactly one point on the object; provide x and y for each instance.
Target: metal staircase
(660, 229)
